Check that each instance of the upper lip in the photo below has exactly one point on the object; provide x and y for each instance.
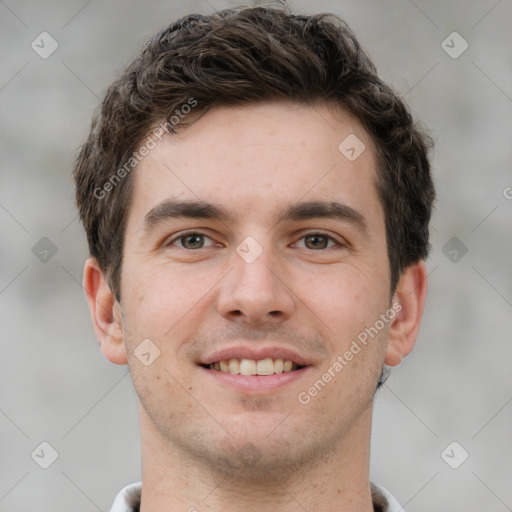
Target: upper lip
(241, 352)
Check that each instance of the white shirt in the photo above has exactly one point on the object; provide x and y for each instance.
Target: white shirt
(128, 499)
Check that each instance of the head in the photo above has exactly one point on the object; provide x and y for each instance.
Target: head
(232, 120)
(239, 57)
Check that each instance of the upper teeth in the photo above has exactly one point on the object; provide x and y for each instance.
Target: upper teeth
(254, 367)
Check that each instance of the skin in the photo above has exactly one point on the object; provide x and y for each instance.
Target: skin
(196, 433)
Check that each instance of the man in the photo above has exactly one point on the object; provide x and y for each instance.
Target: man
(256, 203)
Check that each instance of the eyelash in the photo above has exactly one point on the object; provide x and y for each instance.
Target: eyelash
(184, 234)
(330, 238)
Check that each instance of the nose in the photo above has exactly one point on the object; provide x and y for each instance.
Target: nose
(255, 292)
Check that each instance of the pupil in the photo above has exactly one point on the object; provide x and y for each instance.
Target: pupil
(316, 242)
(193, 241)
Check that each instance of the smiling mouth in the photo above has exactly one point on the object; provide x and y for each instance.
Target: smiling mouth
(259, 367)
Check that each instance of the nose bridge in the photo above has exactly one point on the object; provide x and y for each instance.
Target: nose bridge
(254, 270)
(253, 289)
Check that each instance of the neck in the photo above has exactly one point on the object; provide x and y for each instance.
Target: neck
(174, 480)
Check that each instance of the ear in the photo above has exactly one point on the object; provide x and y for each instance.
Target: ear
(105, 312)
(408, 301)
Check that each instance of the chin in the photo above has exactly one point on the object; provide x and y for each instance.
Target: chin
(259, 461)
(259, 449)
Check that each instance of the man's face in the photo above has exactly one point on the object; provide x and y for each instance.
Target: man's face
(294, 269)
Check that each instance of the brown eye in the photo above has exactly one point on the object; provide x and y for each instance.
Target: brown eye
(316, 241)
(192, 241)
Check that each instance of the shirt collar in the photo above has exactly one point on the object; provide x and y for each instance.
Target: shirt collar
(128, 499)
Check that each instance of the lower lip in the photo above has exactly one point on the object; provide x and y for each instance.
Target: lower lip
(257, 384)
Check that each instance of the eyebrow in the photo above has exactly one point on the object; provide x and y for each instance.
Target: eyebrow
(326, 210)
(176, 209)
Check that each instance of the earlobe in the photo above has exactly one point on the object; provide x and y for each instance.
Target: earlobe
(409, 302)
(105, 312)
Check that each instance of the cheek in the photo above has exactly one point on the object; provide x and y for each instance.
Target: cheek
(157, 299)
(346, 300)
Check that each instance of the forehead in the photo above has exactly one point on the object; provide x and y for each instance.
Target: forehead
(262, 156)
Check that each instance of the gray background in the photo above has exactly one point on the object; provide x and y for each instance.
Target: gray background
(55, 385)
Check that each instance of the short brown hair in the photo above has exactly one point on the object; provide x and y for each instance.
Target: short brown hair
(247, 55)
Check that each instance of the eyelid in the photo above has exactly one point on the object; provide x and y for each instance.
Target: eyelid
(339, 241)
(170, 240)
